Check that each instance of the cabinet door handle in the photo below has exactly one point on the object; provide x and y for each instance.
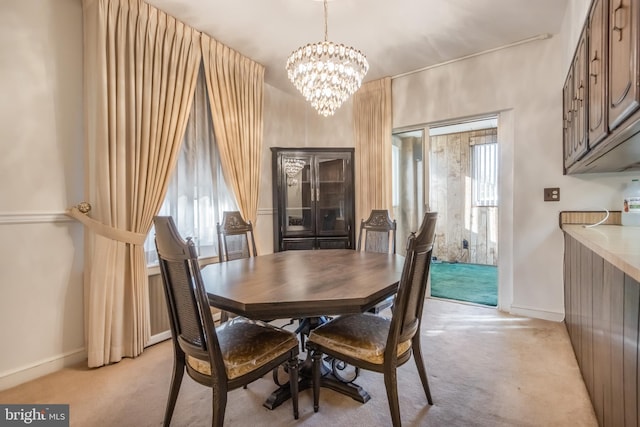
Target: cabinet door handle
(566, 121)
(595, 67)
(618, 25)
(315, 194)
(580, 96)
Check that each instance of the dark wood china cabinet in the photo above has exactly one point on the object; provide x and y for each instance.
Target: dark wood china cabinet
(314, 198)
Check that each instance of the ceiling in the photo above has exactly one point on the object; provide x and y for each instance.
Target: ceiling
(397, 36)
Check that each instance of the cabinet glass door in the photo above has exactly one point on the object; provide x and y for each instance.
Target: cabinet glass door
(331, 194)
(299, 195)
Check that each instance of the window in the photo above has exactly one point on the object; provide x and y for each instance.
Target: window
(197, 194)
(484, 169)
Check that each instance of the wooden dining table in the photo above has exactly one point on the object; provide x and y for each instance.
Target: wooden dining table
(307, 284)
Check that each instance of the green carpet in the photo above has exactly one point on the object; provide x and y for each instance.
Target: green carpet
(465, 282)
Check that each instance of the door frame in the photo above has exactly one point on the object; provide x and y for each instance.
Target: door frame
(506, 137)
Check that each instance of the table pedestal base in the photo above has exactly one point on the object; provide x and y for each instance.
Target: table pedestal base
(280, 395)
(328, 379)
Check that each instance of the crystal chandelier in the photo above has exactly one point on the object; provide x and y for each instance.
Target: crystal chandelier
(293, 166)
(326, 73)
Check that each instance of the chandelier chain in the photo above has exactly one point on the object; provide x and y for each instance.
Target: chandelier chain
(326, 21)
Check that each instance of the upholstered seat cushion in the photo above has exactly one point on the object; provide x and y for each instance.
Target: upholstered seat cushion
(361, 336)
(246, 345)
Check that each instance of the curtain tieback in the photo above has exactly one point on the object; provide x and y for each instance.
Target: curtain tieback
(80, 213)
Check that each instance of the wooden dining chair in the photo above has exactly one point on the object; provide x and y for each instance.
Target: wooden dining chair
(235, 237)
(378, 344)
(378, 234)
(224, 358)
(235, 241)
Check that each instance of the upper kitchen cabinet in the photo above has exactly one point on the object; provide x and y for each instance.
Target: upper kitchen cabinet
(609, 100)
(623, 60)
(568, 122)
(597, 60)
(575, 105)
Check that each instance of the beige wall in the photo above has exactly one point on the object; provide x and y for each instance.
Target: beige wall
(41, 315)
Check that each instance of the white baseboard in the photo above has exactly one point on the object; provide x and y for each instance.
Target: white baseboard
(36, 370)
(536, 314)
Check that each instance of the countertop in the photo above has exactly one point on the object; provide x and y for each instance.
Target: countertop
(617, 244)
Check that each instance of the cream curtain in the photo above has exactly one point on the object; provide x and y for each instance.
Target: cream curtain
(236, 86)
(196, 193)
(372, 121)
(140, 73)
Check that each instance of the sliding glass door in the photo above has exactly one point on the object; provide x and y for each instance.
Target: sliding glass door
(409, 183)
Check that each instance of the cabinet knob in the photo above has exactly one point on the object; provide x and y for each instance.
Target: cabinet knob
(595, 67)
(618, 23)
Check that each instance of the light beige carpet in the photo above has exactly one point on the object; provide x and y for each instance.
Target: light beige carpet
(485, 368)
